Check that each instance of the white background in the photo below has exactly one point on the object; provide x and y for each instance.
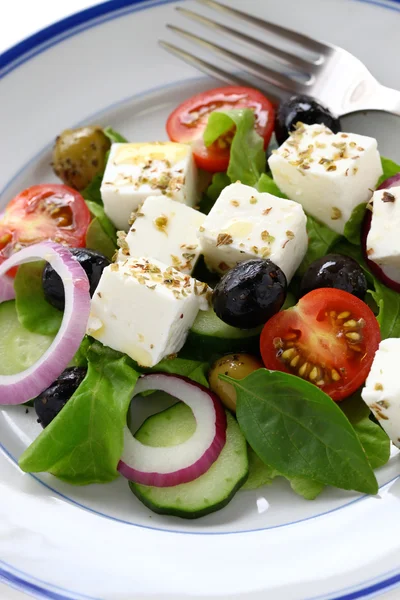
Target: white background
(19, 19)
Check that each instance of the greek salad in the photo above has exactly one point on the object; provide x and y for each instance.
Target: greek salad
(248, 268)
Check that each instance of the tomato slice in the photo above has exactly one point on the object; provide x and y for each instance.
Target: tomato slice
(329, 338)
(43, 212)
(188, 121)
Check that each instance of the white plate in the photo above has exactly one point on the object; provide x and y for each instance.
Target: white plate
(98, 542)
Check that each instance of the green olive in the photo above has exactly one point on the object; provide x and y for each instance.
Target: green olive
(79, 155)
(237, 366)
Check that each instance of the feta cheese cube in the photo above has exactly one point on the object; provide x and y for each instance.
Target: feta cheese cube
(245, 223)
(136, 171)
(165, 230)
(382, 388)
(145, 309)
(329, 174)
(383, 238)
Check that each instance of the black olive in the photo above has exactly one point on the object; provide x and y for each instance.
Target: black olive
(250, 293)
(49, 403)
(335, 271)
(304, 109)
(92, 262)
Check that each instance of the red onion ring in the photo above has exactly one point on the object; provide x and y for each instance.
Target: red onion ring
(164, 467)
(21, 387)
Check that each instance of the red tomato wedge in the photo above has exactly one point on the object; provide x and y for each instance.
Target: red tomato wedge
(43, 212)
(329, 338)
(188, 121)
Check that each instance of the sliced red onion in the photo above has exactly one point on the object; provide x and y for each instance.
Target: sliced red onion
(6, 288)
(393, 181)
(164, 467)
(21, 387)
(390, 276)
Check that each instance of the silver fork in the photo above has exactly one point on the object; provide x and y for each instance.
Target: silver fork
(334, 77)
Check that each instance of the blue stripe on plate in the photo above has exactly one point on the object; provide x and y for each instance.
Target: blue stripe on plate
(10, 60)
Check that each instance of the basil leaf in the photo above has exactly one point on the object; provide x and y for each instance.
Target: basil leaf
(390, 168)
(92, 190)
(373, 438)
(352, 229)
(388, 302)
(34, 312)
(84, 443)
(320, 242)
(114, 136)
(296, 428)
(247, 157)
(267, 184)
(98, 240)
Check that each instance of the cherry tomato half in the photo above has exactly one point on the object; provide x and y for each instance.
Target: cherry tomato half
(329, 338)
(43, 212)
(187, 122)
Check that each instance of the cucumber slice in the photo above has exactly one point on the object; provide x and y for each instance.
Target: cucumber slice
(19, 348)
(209, 336)
(210, 491)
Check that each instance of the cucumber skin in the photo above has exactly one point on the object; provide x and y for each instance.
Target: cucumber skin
(202, 347)
(174, 512)
(188, 514)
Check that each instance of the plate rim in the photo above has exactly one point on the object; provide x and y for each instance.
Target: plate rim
(13, 58)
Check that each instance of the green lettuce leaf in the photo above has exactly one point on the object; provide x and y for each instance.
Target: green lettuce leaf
(114, 136)
(34, 312)
(388, 302)
(84, 443)
(247, 157)
(261, 474)
(219, 182)
(267, 184)
(98, 212)
(390, 168)
(193, 369)
(373, 438)
(92, 190)
(98, 240)
(321, 239)
(352, 229)
(296, 428)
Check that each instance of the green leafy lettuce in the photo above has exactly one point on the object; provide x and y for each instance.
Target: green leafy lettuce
(390, 168)
(247, 157)
(84, 443)
(114, 136)
(34, 312)
(98, 240)
(296, 428)
(352, 229)
(193, 369)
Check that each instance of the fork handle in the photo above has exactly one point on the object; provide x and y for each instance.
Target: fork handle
(375, 97)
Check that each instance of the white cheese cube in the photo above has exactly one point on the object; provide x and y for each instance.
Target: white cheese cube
(165, 230)
(383, 238)
(136, 171)
(382, 388)
(145, 309)
(245, 223)
(329, 174)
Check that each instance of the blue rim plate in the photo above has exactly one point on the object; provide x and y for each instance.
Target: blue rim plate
(103, 64)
